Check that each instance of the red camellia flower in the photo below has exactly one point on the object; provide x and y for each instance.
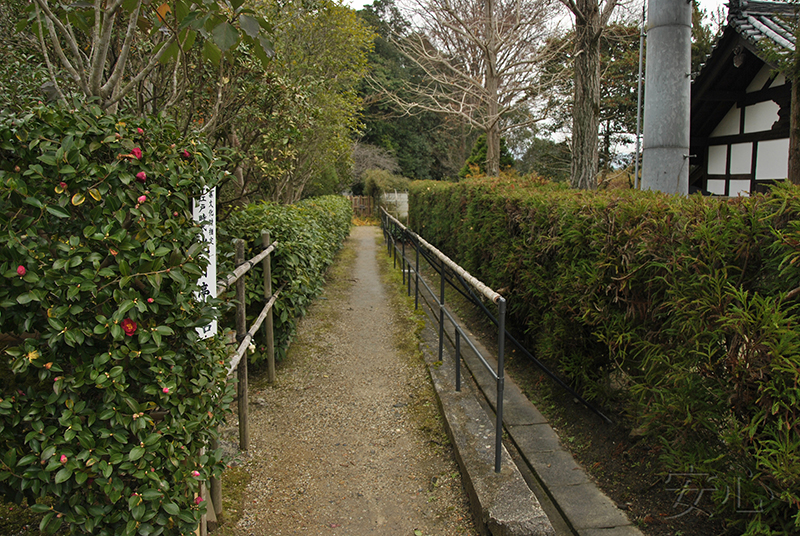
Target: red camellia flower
(63, 185)
(21, 271)
(140, 130)
(141, 176)
(186, 154)
(137, 153)
(129, 327)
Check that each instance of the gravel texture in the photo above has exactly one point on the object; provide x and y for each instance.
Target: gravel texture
(349, 441)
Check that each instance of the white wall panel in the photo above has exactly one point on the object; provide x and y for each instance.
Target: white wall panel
(772, 160)
(739, 188)
(716, 186)
(741, 158)
(729, 126)
(761, 116)
(717, 159)
(760, 79)
(779, 80)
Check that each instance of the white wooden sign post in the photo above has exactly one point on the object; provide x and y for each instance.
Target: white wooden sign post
(205, 212)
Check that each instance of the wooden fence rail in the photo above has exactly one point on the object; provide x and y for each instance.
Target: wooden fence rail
(363, 206)
(238, 361)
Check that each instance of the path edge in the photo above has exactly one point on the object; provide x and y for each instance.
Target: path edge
(502, 504)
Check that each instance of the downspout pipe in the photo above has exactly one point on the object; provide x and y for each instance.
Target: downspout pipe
(667, 101)
(636, 184)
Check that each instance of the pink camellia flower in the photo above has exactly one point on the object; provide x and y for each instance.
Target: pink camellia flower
(142, 199)
(136, 152)
(140, 130)
(21, 271)
(186, 154)
(198, 499)
(195, 473)
(141, 176)
(150, 300)
(129, 327)
(63, 459)
(165, 390)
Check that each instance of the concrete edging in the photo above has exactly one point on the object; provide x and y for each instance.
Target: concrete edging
(502, 503)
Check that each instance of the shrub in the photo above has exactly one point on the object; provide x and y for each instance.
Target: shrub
(309, 234)
(108, 396)
(379, 181)
(682, 311)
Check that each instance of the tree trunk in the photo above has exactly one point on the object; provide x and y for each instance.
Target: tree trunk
(492, 82)
(586, 108)
(794, 134)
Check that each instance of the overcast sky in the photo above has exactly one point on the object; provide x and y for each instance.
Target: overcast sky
(708, 5)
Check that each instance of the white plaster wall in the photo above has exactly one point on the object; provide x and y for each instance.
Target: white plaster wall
(739, 188)
(761, 116)
(760, 79)
(741, 158)
(772, 161)
(729, 126)
(716, 186)
(717, 159)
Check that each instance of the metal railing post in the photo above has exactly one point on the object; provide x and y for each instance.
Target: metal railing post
(268, 325)
(501, 349)
(241, 370)
(403, 258)
(441, 311)
(458, 361)
(394, 247)
(408, 264)
(416, 278)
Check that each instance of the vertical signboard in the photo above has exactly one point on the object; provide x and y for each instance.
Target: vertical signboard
(205, 212)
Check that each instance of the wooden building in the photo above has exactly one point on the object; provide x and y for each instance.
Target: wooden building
(740, 104)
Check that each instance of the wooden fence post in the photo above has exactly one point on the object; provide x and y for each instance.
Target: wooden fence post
(241, 370)
(216, 485)
(267, 266)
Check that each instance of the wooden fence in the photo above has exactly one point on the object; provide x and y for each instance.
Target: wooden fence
(238, 361)
(363, 206)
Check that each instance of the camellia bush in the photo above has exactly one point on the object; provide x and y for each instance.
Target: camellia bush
(108, 395)
(309, 234)
(680, 312)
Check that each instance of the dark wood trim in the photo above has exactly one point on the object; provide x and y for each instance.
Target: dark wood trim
(764, 135)
(769, 94)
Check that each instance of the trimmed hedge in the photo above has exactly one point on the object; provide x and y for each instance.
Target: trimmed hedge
(107, 395)
(683, 311)
(309, 234)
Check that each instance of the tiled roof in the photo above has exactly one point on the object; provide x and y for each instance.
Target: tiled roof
(756, 21)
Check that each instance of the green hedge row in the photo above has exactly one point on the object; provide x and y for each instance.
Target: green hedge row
(309, 234)
(107, 397)
(683, 311)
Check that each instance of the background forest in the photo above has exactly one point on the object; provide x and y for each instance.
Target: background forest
(303, 98)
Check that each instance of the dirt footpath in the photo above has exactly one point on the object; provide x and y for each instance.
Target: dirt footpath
(349, 441)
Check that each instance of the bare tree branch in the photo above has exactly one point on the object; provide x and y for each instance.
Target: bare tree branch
(478, 60)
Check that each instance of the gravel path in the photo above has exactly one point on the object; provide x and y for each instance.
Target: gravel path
(349, 441)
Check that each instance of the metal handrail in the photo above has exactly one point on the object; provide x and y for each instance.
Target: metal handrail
(486, 291)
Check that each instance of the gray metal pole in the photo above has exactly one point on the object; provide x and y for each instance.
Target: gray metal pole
(665, 159)
(501, 378)
(636, 183)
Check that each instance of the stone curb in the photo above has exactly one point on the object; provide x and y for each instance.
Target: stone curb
(585, 509)
(502, 504)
